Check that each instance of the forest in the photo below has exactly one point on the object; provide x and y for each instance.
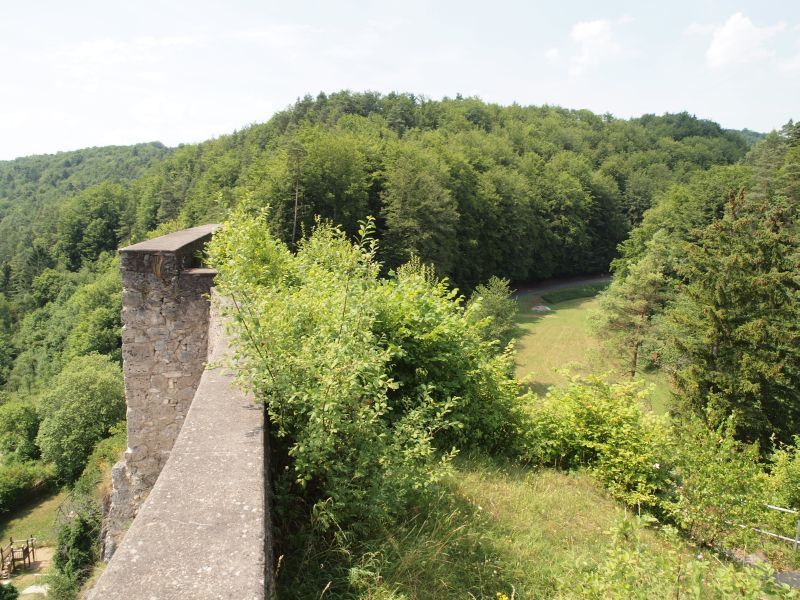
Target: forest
(437, 209)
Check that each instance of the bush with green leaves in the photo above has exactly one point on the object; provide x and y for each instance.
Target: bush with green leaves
(718, 483)
(702, 480)
(631, 570)
(785, 476)
(8, 592)
(783, 489)
(369, 382)
(86, 400)
(600, 425)
(492, 305)
(60, 586)
(98, 467)
(77, 550)
(18, 480)
(19, 423)
(77, 546)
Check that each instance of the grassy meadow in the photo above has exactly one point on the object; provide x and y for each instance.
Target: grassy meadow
(563, 339)
(501, 530)
(36, 519)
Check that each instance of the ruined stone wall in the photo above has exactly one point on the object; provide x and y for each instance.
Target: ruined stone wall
(165, 312)
(203, 532)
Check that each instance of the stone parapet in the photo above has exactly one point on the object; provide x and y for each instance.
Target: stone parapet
(203, 531)
(165, 315)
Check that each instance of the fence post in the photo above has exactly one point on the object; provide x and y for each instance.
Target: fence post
(797, 536)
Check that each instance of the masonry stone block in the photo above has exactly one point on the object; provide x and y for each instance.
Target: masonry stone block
(165, 311)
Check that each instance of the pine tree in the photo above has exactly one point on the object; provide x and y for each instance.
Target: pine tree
(736, 326)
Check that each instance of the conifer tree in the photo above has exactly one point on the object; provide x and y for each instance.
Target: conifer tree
(736, 326)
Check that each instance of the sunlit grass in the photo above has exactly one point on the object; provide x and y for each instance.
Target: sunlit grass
(507, 528)
(564, 339)
(35, 518)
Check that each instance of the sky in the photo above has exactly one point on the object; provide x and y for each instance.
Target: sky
(95, 73)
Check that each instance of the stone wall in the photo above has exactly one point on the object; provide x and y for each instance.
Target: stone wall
(203, 531)
(165, 312)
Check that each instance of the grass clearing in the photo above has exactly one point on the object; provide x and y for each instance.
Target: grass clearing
(548, 528)
(504, 529)
(564, 339)
(36, 518)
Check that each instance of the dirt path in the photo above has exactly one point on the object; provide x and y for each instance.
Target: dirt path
(29, 577)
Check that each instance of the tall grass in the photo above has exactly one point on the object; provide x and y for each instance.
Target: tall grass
(497, 528)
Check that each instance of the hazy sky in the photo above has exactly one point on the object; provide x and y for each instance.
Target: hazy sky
(91, 73)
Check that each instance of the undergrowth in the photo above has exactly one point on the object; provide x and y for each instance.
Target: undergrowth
(374, 385)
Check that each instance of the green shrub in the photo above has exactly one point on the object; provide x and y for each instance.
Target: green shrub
(8, 592)
(19, 423)
(61, 586)
(718, 483)
(491, 304)
(105, 454)
(368, 382)
(76, 549)
(595, 424)
(785, 476)
(669, 573)
(783, 489)
(85, 401)
(703, 481)
(18, 480)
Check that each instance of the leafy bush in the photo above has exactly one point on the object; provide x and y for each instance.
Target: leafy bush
(783, 489)
(491, 304)
(596, 424)
(18, 480)
(77, 544)
(8, 592)
(98, 466)
(718, 482)
(785, 476)
(86, 400)
(365, 379)
(60, 586)
(639, 573)
(703, 481)
(19, 423)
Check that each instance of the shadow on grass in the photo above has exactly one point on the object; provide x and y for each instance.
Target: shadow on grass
(443, 548)
(527, 316)
(537, 387)
(22, 522)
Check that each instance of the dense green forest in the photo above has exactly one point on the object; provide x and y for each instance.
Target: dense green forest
(475, 189)
(707, 287)
(698, 224)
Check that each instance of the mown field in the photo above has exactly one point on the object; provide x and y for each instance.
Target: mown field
(563, 339)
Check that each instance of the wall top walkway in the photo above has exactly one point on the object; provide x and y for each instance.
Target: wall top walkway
(174, 242)
(202, 532)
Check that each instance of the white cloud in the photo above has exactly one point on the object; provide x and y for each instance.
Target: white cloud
(625, 19)
(108, 51)
(596, 44)
(553, 55)
(739, 41)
